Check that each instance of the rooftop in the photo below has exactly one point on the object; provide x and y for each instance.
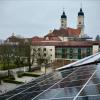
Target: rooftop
(69, 32)
(68, 43)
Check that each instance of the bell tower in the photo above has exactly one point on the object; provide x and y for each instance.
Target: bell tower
(63, 20)
(80, 22)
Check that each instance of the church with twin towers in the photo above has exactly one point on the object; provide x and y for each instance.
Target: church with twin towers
(65, 42)
(80, 22)
(65, 33)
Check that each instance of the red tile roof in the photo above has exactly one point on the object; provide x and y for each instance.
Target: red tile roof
(68, 43)
(73, 32)
(69, 32)
(36, 38)
(52, 38)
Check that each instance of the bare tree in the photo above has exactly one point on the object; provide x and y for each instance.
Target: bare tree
(27, 50)
(11, 55)
(6, 53)
(40, 57)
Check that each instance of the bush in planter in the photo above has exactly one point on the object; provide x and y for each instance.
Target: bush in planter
(31, 74)
(20, 73)
(7, 77)
(28, 74)
(12, 81)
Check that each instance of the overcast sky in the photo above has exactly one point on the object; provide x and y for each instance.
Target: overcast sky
(29, 18)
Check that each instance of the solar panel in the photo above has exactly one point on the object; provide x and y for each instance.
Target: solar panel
(82, 84)
(79, 83)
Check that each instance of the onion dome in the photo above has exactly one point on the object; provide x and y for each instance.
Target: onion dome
(63, 15)
(80, 13)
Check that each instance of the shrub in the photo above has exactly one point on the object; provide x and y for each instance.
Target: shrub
(7, 77)
(20, 75)
(31, 74)
(12, 81)
(11, 77)
(28, 74)
(3, 77)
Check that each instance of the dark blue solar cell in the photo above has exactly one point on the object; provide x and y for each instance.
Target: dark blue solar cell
(62, 99)
(94, 97)
(91, 90)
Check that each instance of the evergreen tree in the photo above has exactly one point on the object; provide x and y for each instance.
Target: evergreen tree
(97, 38)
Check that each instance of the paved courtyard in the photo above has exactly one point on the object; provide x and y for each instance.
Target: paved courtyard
(4, 87)
(25, 79)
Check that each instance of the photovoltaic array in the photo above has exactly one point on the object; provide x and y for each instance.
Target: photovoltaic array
(79, 83)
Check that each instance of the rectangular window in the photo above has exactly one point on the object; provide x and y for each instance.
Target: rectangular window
(79, 53)
(39, 49)
(50, 49)
(58, 52)
(68, 50)
(89, 51)
(64, 52)
(71, 56)
(44, 49)
(38, 54)
(83, 52)
(44, 54)
(71, 50)
(75, 50)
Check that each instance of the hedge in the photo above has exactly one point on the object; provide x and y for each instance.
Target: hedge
(12, 81)
(28, 74)
(6, 77)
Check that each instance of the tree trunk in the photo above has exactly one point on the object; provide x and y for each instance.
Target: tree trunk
(29, 65)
